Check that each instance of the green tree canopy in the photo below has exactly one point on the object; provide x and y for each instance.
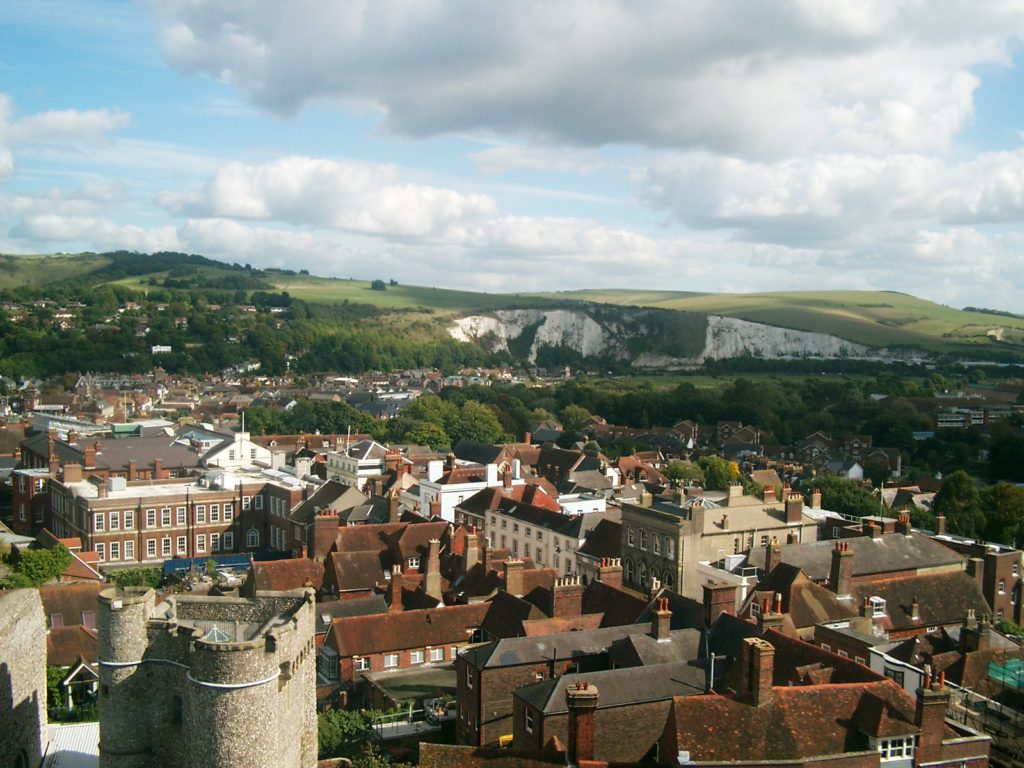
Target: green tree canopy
(719, 473)
(38, 566)
(847, 497)
(960, 502)
(684, 471)
(1004, 513)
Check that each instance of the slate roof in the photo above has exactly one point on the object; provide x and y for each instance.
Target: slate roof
(514, 651)
(332, 496)
(944, 598)
(619, 606)
(618, 687)
(329, 610)
(806, 603)
(506, 614)
(890, 552)
(477, 452)
(641, 650)
(604, 541)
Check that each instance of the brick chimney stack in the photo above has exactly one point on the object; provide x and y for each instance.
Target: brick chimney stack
(395, 589)
(816, 498)
(435, 508)
(72, 437)
(514, 577)
(768, 494)
(394, 507)
(133, 471)
(903, 522)
(771, 614)
(940, 524)
(506, 479)
(567, 597)
(528, 438)
(661, 625)
(89, 456)
(72, 473)
(794, 508)
(581, 700)
(718, 599)
(758, 660)
(158, 469)
(432, 581)
(470, 550)
(930, 717)
(772, 555)
(610, 571)
(841, 575)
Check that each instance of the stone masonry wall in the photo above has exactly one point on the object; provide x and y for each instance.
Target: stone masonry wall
(22, 678)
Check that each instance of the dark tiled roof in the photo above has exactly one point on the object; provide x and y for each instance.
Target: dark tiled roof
(619, 606)
(944, 598)
(281, 575)
(618, 687)
(327, 611)
(890, 552)
(641, 650)
(364, 635)
(70, 600)
(66, 644)
(604, 541)
(533, 650)
(506, 615)
(355, 570)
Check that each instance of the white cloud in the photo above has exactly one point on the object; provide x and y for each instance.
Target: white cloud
(509, 157)
(360, 198)
(833, 200)
(99, 233)
(751, 78)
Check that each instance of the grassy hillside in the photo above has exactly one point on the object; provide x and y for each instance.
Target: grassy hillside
(875, 318)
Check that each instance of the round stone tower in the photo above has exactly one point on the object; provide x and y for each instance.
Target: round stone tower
(122, 641)
(235, 685)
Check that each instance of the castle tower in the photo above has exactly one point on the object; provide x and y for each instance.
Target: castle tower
(125, 739)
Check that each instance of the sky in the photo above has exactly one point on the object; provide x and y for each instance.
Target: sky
(727, 145)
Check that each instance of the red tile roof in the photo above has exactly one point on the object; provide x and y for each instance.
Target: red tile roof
(64, 645)
(365, 635)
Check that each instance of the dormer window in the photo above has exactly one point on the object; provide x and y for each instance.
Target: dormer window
(413, 562)
(877, 606)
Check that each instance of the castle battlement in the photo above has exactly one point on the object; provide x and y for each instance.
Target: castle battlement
(218, 681)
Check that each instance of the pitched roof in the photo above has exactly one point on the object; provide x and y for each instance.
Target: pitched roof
(70, 600)
(887, 553)
(360, 570)
(799, 722)
(604, 541)
(943, 598)
(281, 575)
(619, 606)
(64, 645)
(514, 651)
(364, 635)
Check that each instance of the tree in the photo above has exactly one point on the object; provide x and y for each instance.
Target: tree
(138, 577)
(39, 566)
(428, 433)
(378, 285)
(959, 501)
(847, 497)
(475, 422)
(719, 474)
(573, 417)
(1004, 513)
(684, 471)
(343, 732)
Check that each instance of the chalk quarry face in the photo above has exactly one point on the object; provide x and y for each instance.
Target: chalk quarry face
(725, 337)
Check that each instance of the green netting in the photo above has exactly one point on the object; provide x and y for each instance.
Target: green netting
(1010, 673)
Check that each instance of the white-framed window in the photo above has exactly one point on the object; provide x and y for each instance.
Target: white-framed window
(129, 519)
(151, 518)
(641, 574)
(200, 513)
(165, 517)
(165, 546)
(362, 664)
(99, 521)
(228, 541)
(229, 510)
(842, 653)
(656, 543)
(252, 454)
(246, 503)
(898, 748)
(824, 646)
(215, 513)
(469, 677)
(643, 538)
(115, 521)
(526, 549)
(437, 654)
(252, 538)
(258, 501)
(231, 454)
(669, 547)
(180, 516)
(182, 545)
(150, 548)
(860, 660)
(101, 551)
(1016, 569)
(455, 653)
(129, 549)
(540, 535)
(528, 719)
(417, 657)
(390, 660)
(878, 606)
(1002, 582)
(215, 542)
(629, 570)
(630, 536)
(413, 562)
(201, 542)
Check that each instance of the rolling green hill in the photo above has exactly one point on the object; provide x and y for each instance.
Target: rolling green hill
(872, 318)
